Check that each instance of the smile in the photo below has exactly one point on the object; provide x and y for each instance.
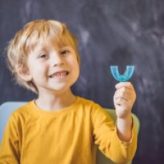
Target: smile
(60, 74)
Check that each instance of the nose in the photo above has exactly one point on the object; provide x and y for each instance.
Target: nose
(56, 59)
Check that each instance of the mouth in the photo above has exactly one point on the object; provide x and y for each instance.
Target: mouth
(60, 74)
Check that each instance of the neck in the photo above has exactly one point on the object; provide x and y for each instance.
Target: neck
(55, 101)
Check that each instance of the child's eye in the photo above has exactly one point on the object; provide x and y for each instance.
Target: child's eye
(43, 56)
(65, 52)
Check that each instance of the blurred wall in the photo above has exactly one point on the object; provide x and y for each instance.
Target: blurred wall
(118, 32)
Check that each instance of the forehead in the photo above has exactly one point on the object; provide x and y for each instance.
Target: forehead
(49, 45)
(40, 34)
(49, 41)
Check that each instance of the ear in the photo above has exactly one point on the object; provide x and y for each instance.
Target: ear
(24, 73)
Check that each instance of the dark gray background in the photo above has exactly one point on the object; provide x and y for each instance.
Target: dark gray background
(110, 32)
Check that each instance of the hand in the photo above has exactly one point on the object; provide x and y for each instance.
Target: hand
(124, 99)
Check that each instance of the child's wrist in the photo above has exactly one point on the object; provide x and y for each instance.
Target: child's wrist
(124, 127)
(126, 116)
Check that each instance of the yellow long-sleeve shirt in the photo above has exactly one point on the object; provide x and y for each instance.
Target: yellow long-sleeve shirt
(66, 136)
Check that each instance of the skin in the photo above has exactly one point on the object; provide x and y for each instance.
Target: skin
(124, 99)
(54, 71)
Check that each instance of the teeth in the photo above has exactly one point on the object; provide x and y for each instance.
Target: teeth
(59, 74)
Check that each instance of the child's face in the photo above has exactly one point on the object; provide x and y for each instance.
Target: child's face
(52, 69)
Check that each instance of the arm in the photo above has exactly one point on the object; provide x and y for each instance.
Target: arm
(118, 141)
(124, 99)
(9, 146)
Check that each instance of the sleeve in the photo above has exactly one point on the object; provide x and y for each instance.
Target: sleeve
(105, 136)
(10, 144)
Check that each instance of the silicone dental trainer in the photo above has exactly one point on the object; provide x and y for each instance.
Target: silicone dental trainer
(122, 77)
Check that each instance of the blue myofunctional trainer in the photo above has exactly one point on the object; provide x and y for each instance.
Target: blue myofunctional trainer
(122, 77)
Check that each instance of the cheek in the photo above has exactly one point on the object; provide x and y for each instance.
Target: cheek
(75, 63)
(77, 69)
(38, 70)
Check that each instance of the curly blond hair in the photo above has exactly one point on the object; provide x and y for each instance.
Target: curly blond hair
(28, 37)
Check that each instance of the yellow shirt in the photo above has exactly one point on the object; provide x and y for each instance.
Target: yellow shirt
(66, 136)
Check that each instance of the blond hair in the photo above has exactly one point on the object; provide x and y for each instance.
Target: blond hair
(28, 37)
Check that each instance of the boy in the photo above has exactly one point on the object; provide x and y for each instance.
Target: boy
(59, 127)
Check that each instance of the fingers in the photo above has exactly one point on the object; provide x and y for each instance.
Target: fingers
(124, 84)
(120, 102)
(125, 95)
(126, 90)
